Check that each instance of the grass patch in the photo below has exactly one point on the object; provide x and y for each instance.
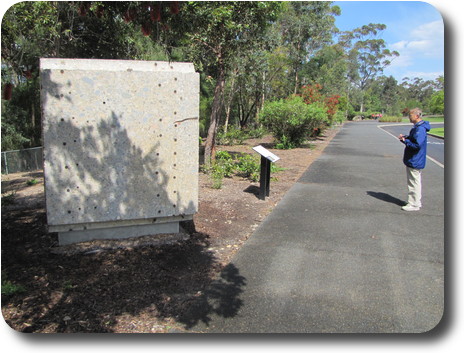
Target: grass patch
(440, 131)
(435, 119)
(32, 182)
(9, 289)
(431, 119)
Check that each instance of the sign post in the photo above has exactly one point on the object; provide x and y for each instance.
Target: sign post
(265, 174)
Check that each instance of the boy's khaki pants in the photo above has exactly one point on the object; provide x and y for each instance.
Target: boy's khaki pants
(414, 186)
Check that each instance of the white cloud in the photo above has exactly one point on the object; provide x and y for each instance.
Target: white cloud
(423, 41)
(424, 75)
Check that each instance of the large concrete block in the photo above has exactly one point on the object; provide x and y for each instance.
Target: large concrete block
(120, 142)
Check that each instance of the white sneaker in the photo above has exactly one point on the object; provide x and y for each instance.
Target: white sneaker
(410, 208)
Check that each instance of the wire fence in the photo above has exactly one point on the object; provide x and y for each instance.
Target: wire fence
(18, 161)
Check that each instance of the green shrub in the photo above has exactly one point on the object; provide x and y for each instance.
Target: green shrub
(244, 165)
(233, 136)
(32, 182)
(9, 288)
(256, 133)
(339, 117)
(292, 121)
(248, 166)
(390, 119)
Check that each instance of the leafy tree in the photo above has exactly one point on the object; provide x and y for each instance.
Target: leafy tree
(437, 103)
(367, 55)
(329, 68)
(306, 27)
(215, 33)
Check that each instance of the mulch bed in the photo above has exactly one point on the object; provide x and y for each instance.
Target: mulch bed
(147, 284)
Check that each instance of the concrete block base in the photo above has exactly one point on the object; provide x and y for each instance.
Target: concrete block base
(66, 238)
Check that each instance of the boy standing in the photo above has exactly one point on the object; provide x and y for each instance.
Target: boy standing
(414, 158)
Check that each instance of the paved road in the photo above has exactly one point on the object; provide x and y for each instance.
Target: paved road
(436, 146)
(338, 254)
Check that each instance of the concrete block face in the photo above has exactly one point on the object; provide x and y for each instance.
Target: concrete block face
(120, 140)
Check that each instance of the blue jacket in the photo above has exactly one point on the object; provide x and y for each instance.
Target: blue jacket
(416, 146)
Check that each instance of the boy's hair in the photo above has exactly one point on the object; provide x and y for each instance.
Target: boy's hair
(416, 112)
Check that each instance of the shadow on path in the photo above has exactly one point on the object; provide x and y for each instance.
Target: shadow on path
(386, 197)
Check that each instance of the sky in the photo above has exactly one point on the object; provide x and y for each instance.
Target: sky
(415, 29)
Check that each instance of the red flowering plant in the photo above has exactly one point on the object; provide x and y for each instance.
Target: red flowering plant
(312, 94)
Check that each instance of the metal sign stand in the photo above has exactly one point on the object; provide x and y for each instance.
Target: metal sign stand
(265, 178)
(265, 173)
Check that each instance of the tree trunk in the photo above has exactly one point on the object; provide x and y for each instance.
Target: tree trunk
(229, 103)
(215, 115)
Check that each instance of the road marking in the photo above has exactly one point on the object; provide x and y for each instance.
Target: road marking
(396, 138)
(436, 162)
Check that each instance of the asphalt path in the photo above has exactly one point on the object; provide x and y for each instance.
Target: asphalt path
(337, 254)
(435, 145)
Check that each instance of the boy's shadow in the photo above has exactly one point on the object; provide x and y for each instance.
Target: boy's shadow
(386, 197)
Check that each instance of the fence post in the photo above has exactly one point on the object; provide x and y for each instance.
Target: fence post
(6, 163)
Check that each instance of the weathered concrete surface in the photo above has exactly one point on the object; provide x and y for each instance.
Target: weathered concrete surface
(120, 141)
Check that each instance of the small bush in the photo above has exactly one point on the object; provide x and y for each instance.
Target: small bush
(233, 136)
(32, 182)
(390, 119)
(256, 133)
(292, 121)
(244, 165)
(248, 166)
(9, 289)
